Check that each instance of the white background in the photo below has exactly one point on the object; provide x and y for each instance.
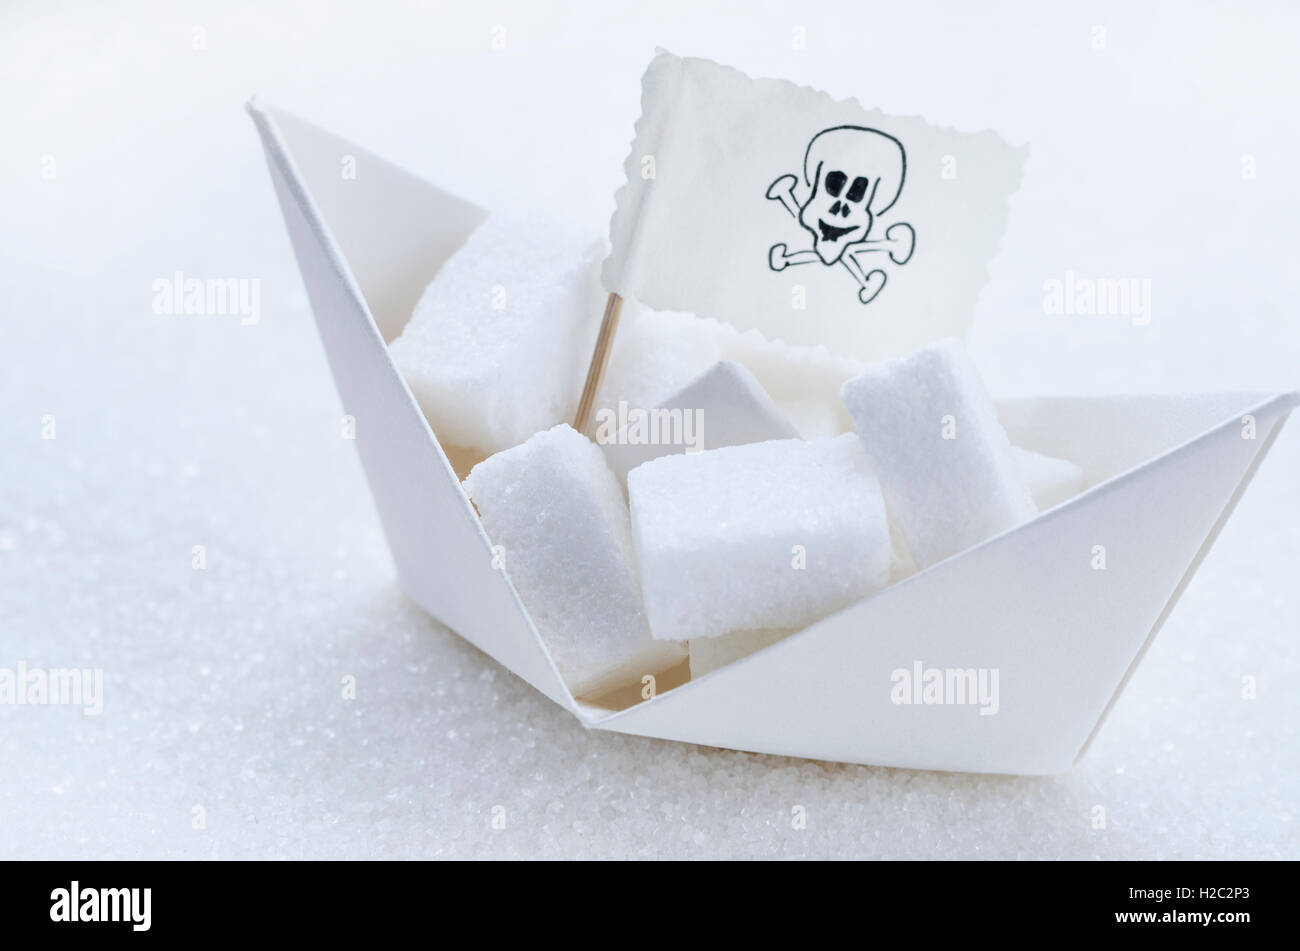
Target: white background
(223, 686)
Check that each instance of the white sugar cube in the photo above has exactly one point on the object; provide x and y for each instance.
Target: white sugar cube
(710, 653)
(1051, 481)
(498, 345)
(768, 535)
(723, 406)
(558, 513)
(944, 461)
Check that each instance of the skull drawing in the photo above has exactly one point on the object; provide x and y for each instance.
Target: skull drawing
(854, 174)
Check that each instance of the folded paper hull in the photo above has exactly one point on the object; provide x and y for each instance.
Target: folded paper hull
(1056, 613)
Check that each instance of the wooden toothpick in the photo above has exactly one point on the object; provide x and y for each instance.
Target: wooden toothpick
(599, 357)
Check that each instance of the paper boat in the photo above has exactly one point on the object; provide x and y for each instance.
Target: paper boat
(1065, 636)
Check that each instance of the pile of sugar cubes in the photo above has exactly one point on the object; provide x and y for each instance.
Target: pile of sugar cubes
(735, 490)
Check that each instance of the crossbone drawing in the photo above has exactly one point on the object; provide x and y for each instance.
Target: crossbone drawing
(856, 174)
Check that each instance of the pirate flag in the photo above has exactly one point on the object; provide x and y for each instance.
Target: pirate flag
(773, 206)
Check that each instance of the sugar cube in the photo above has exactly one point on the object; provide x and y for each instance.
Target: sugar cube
(558, 514)
(944, 461)
(710, 653)
(1051, 481)
(723, 406)
(767, 535)
(497, 346)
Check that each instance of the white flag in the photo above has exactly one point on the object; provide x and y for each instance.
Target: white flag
(773, 206)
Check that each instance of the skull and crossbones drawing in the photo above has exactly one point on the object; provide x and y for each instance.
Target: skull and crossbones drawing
(856, 174)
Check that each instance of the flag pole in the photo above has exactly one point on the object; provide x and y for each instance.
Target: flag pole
(599, 358)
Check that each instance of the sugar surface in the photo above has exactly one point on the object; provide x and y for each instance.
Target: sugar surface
(557, 510)
(497, 347)
(944, 461)
(223, 686)
(768, 535)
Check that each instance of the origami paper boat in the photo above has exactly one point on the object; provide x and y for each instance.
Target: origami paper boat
(1064, 635)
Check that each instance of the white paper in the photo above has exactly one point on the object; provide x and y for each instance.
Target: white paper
(1164, 474)
(695, 229)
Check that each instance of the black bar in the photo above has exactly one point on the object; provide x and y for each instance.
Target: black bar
(331, 900)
